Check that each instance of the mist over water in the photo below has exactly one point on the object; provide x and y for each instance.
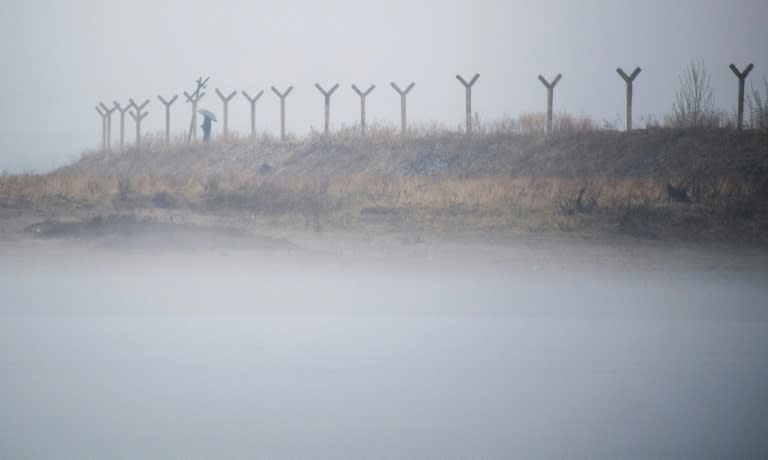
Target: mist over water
(206, 357)
(470, 287)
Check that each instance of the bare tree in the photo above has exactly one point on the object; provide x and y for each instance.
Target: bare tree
(758, 107)
(694, 103)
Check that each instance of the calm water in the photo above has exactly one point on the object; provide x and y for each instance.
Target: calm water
(231, 362)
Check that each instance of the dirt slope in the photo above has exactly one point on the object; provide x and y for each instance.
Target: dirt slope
(657, 153)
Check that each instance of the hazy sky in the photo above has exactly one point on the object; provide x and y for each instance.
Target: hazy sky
(62, 57)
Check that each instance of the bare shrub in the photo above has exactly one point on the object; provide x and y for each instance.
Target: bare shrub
(567, 123)
(536, 123)
(532, 123)
(694, 103)
(650, 121)
(576, 200)
(502, 126)
(758, 108)
(679, 193)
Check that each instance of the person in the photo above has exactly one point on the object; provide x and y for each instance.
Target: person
(206, 128)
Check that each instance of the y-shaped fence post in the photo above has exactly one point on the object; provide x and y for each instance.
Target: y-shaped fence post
(282, 97)
(742, 76)
(253, 100)
(108, 113)
(225, 101)
(193, 99)
(362, 95)
(403, 120)
(468, 91)
(103, 127)
(138, 117)
(550, 90)
(327, 96)
(629, 79)
(122, 111)
(167, 105)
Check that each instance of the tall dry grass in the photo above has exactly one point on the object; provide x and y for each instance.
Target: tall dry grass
(641, 207)
(758, 107)
(377, 131)
(503, 198)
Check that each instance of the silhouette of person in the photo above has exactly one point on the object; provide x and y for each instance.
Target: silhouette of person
(206, 128)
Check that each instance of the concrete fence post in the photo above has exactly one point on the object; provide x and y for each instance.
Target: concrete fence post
(122, 111)
(403, 115)
(103, 116)
(193, 99)
(138, 117)
(468, 97)
(108, 113)
(629, 79)
(282, 97)
(550, 96)
(362, 95)
(167, 105)
(225, 102)
(742, 76)
(253, 100)
(327, 96)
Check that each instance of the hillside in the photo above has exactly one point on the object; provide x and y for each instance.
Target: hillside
(659, 183)
(656, 153)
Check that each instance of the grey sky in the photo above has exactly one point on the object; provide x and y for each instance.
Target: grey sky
(62, 57)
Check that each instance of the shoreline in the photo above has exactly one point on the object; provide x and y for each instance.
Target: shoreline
(259, 244)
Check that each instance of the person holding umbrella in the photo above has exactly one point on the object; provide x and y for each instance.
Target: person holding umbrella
(208, 117)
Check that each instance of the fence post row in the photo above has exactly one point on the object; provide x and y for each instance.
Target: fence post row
(282, 97)
(629, 79)
(167, 105)
(468, 91)
(742, 76)
(253, 100)
(403, 120)
(362, 95)
(106, 113)
(138, 117)
(327, 95)
(550, 90)
(225, 102)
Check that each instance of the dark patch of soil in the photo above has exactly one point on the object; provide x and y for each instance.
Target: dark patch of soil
(127, 231)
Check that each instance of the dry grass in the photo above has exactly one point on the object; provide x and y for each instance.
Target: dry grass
(528, 124)
(758, 107)
(85, 188)
(529, 204)
(590, 181)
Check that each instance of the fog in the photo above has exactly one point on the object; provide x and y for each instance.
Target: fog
(126, 336)
(217, 354)
(62, 58)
